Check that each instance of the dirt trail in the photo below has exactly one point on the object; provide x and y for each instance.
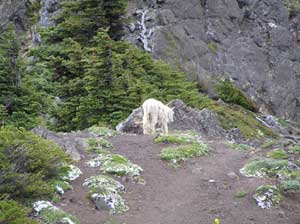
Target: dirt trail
(196, 193)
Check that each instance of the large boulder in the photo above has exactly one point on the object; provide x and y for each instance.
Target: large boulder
(185, 118)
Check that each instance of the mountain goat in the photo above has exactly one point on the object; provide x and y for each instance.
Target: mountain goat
(156, 114)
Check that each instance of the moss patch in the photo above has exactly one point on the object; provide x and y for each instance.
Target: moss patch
(213, 47)
(176, 155)
(267, 196)
(105, 192)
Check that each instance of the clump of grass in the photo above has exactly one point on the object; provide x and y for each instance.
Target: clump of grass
(241, 194)
(176, 155)
(99, 145)
(175, 138)
(278, 154)
(264, 168)
(102, 131)
(242, 147)
(268, 144)
(295, 149)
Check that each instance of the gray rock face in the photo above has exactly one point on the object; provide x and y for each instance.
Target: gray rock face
(49, 8)
(13, 11)
(72, 142)
(185, 118)
(253, 42)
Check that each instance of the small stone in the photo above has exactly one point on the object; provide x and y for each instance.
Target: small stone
(281, 214)
(233, 175)
(132, 27)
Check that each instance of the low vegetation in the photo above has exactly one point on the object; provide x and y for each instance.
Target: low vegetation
(264, 168)
(14, 213)
(231, 94)
(278, 154)
(50, 214)
(294, 149)
(293, 6)
(102, 131)
(177, 138)
(241, 194)
(188, 146)
(267, 196)
(241, 147)
(177, 155)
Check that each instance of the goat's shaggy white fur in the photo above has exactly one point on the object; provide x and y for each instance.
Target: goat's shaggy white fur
(156, 114)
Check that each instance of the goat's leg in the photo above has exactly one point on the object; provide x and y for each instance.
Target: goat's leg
(165, 129)
(154, 120)
(146, 124)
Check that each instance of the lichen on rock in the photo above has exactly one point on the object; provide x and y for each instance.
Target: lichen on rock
(105, 192)
(73, 173)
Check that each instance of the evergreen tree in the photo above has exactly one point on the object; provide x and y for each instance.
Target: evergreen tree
(19, 105)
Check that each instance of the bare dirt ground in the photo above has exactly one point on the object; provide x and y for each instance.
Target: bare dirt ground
(196, 193)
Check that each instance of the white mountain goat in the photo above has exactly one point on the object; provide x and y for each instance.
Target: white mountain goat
(156, 114)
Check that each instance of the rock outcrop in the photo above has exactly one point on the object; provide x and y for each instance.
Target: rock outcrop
(73, 143)
(255, 43)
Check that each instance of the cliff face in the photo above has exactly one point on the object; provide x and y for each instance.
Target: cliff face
(253, 42)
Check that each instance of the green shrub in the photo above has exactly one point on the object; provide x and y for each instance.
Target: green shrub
(278, 154)
(28, 163)
(231, 94)
(176, 155)
(12, 212)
